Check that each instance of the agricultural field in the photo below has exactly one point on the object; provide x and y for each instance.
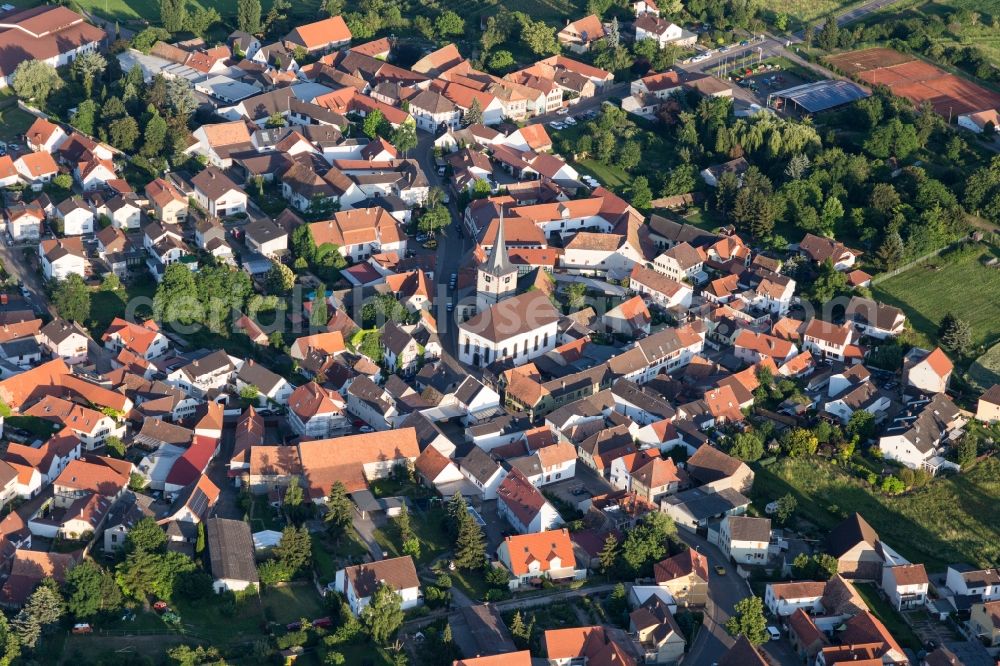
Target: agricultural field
(961, 284)
(985, 371)
(149, 10)
(949, 520)
(800, 12)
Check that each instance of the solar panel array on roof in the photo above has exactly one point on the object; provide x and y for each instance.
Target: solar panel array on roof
(822, 95)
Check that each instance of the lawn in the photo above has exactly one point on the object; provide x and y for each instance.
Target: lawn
(329, 556)
(220, 621)
(950, 520)
(985, 371)
(801, 12)
(263, 516)
(471, 582)
(607, 174)
(960, 284)
(291, 602)
(430, 529)
(13, 123)
(106, 305)
(130, 10)
(889, 616)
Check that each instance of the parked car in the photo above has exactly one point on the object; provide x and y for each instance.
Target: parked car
(774, 633)
(562, 112)
(366, 429)
(82, 628)
(720, 570)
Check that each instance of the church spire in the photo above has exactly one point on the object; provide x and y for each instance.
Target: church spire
(498, 263)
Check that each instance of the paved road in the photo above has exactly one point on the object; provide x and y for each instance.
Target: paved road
(21, 269)
(712, 640)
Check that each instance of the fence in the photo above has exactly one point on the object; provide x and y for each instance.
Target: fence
(916, 262)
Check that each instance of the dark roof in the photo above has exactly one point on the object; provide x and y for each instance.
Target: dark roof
(853, 530)
(709, 464)
(479, 464)
(214, 183)
(230, 546)
(398, 573)
(263, 230)
(819, 96)
(743, 653)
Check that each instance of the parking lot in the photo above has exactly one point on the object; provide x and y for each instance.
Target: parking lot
(584, 485)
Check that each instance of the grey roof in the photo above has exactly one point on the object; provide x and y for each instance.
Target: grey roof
(702, 505)
(479, 464)
(205, 365)
(59, 330)
(822, 95)
(230, 547)
(394, 338)
(498, 263)
(259, 376)
(468, 390)
(745, 528)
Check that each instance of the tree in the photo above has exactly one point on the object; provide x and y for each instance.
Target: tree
(35, 80)
(861, 425)
(114, 446)
(176, 299)
(519, 630)
(123, 133)
(333, 7)
(629, 155)
(88, 66)
(180, 97)
(378, 310)
(10, 646)
(829, 35)
(383, 615)
(968, 448)
(303, 245)
(172, 15)
(319, 316)
(200, 20)
(892, 485)
(786, 506)
(746, 446)
(154, 138)
(145, 536)
(404, 138)
(538, 36)
(90, 589)
(609, 553)
(71, 299)
(275, 120)
(85, 116)
(799, 442)
(474, 114)
(890, 253)
(248, 16)
(781, 22)
(748, 620)
(339, 509)
(373, 123)
(199, 543)
(470, 545)
(647, 542)
(576, 296)
(185, 655)
(501, 61)
(294, 495)
(955, 334)
(280, 279)
(434, 219)
(294, 551)
(449, 24)
(43, 609)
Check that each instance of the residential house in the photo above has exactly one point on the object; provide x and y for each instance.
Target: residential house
(67, 340)
(785, 599)
(586, 645)
(988, 408)
(681, 262)
(24, 221)
(44, 136)
(433, 111)
(76, 217)
(984, 621)
(372, 404)
(270, 386)
(662, 31)
(91, 426)
(316, 412)
(358, 583)
(963, 580)
(657, 632)
(905, 585)
(744, 539)
(400, 350)
(265, 237)
(875, 319)
(36, 169)
(919, 435)
(578, 36)
(204, 374)
(826, 340)
(685, 577)
(217, 194)
(665, 291)
(820, 250)
(143, 339)
(437, 470)
(710, 467)
(168, 203)
(858, 549)
(124, 211)
(483, 472)
(532, 557)
(927, 371)
(523, 506)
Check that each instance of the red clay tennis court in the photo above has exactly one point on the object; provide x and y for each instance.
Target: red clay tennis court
(916, 80)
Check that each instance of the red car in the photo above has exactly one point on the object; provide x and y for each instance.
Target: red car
(323, 622)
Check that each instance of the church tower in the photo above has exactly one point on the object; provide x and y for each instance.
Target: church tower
(496, 278)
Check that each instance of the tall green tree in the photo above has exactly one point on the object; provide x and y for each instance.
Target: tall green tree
(470, 545)
(41, 612)
(609, 553)
(339, 509)
(176, 299)
(404, 138)
(88, 66)
(248, 14)
(35, 80)
(383, 615)
(294, 551)
(90, 589)
(319, 315)
(172, 15)
(891, 253)
(373, 124)
(10, 646)
(955, 334)
(748, 620)
(146, 536)
(71, 299)
(155, 136)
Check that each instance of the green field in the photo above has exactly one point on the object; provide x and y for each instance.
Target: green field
(950, 520)
(801, 12)
(13, 123)
(961, 285)
(986, 370)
